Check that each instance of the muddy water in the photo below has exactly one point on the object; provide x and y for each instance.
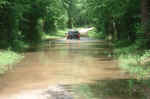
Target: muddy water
(61, 62)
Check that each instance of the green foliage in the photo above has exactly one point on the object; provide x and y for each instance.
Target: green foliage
(55, 16)
(25, 20)
(56, 35)
(115, 17)
(95, 34)
(132, 64)
(133, 58)
(20, 46)
(103, 89)
(139, 29)
(145, 55)
(77, 12)
(7, 59)
(127, 47)
(81, 91)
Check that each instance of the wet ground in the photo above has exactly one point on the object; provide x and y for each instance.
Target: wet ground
(47, 69)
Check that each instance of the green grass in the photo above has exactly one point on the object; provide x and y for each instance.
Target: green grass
(20, 46)
(131, 56)
(7, 59)
(134, 59)
(107, 89)
(58, 34)
(94, 34)
(133, 65)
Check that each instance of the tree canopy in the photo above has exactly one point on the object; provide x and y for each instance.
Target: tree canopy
(26, 20)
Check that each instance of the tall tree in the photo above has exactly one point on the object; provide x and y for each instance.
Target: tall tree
(145, 10)
(68, 5)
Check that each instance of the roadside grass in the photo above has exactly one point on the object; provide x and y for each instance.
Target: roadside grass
(20, 46)
(110, 89)
(8, 59)
(58, 34)
(94, 34)
(135, 65)
(132, 58)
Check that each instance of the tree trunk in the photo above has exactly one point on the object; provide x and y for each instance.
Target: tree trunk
(115, 31)
(70, 23)
(145, 16)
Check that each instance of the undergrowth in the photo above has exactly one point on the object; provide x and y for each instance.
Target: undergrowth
(94, 34)
(55, 35)
(134, 58)
(7, 59)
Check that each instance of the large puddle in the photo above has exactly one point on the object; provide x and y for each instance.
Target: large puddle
(63, 62)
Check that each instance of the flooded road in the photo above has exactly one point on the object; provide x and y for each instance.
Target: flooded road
(61, 62)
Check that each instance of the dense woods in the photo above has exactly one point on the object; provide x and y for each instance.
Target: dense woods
(26, 20)
(118, 19)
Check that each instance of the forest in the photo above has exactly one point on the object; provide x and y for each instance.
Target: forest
(123, 24)
(26, 20)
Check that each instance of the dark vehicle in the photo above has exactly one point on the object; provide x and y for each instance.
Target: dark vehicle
(73, 35)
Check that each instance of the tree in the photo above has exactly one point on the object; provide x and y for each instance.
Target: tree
(116, 18)
(23, 20)
(145, 4)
